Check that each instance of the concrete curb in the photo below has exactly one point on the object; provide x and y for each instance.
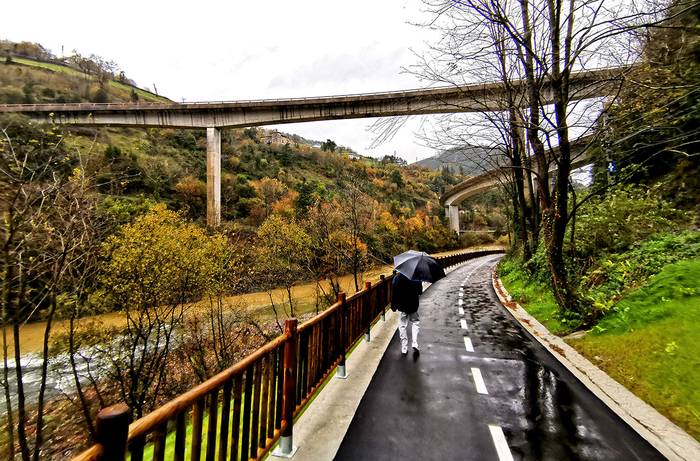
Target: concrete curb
(669, 439)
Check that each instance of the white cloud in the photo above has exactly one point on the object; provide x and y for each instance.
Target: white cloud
(210, 50)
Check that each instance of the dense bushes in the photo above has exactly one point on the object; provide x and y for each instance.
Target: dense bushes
(623, 216)
(620, 240)
(619, 273)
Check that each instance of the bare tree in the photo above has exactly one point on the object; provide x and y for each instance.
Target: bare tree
(534, 48)
(47, 209)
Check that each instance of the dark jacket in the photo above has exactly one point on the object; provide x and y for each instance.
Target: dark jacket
(405, 293)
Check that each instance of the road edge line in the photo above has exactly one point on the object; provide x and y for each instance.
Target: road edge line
(669, 439)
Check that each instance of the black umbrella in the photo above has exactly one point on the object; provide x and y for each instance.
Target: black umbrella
(419, 266)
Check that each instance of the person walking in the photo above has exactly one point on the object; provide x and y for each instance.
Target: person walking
(405, 300)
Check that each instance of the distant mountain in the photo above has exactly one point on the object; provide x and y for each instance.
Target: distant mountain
(468, 160)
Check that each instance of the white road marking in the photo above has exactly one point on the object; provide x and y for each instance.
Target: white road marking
(461, 294)
(474, 270)
(460, 302)
(468, 344)
(479, 381)
(461, 310)
(463, 323)
(461, 288)
(499, 439)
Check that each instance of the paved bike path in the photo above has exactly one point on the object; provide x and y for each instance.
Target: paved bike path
(487, 392)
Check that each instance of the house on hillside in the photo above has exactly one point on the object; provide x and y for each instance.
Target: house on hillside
(270, 137)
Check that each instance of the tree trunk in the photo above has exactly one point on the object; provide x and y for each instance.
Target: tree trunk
(519, 180)
(21, 406)
(7, 300)
(39, 436)
(558, 217)
(84, 405)
(8, 401)
(533, 95)
(291, 301)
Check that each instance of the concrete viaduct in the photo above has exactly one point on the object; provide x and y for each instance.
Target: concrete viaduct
(217, 115)
(493, 178)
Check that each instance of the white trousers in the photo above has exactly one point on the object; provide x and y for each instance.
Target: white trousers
(415, 328)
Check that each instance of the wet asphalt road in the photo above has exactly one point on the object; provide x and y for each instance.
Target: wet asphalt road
(525, 406)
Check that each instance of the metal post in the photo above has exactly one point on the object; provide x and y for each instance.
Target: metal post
(367, 308)
(213, 176)
(112, 431)
(286, 448)
(342, 373)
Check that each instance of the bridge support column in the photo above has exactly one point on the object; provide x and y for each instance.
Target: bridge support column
(453, 216)
(213, 176)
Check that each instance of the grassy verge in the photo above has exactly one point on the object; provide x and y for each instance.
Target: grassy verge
(143, 94)
(535, 297)
(650, 342)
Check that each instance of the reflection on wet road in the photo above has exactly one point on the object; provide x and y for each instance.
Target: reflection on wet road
(482, 389)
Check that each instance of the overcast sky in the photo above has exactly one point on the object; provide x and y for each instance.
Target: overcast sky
(206, 50)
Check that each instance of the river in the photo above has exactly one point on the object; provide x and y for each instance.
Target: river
(60, 379)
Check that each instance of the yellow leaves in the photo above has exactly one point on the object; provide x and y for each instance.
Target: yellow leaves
(343, 242)
(190, 186)
(388, 222)
(285, 205)
(161, 259)
(284, 245)
(414, 225)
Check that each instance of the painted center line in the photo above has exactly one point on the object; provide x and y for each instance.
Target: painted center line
(461, 294)
(461, 310)
(479, 381)
(460, 302)
(468, 344)
(499, 439)
(463, 323)
(461, 288)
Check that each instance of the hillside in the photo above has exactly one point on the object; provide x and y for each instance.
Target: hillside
(30, 74)
(466, 160)
(262, 171)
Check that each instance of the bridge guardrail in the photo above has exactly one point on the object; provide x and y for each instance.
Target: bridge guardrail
(588, 73)
(251, 405)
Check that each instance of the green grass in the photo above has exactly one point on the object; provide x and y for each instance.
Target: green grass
(651, 343)
(170, 439)
(48, 65)
(143, 94)
(536, 297)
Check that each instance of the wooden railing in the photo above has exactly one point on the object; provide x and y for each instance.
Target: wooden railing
(249, 407)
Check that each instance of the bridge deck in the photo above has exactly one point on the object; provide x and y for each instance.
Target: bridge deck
(433, 408)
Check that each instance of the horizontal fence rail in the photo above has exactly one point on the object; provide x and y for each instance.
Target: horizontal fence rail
(242, 412)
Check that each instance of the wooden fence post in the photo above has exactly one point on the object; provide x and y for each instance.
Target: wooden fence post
(342, 372)
(286, 448)
(381, 280)
(367, 307)
(112, 431)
